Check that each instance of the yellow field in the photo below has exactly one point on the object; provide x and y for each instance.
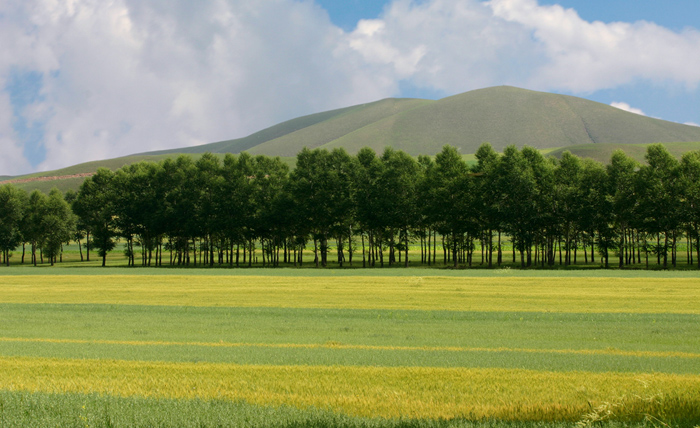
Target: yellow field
(333, 345)
(636, 295)
(367, 388)
(364, 391)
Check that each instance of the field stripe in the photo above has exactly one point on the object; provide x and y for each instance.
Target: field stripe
(335, 345)
(531, 294)
(416, 392)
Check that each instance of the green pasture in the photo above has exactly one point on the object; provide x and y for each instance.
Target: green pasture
(539, 341)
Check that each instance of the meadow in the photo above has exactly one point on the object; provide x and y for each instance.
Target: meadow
(385, 348)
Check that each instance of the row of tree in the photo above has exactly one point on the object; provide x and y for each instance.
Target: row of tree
(210, 212)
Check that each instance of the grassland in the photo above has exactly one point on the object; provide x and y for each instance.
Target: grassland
(677, 295)
(341, 349)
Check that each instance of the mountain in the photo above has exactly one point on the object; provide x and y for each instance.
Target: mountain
(500, 115)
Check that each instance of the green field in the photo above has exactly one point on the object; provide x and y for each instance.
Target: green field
(386, 348)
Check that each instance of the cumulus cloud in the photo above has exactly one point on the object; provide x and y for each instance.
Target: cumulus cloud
(626, 107)
(458, 45)
(11, 151)
(588, 56)
(127, 76)
(448, 45)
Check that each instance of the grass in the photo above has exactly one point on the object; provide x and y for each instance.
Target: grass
(586, 295)
(390, 392)
(43, 410)
(590, 342)
(346, 349)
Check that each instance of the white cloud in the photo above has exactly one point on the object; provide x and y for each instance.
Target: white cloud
(449, 45)
(626, 107)
(12, 159)
(457, 45)
(588, 56)
(692, 124)
(126, 76)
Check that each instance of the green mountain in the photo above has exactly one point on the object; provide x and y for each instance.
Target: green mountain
(288, 138)
(500, 115)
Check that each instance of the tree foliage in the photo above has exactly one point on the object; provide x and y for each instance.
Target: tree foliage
(247, 209)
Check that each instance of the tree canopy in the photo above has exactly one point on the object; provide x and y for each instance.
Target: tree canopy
(248, 209)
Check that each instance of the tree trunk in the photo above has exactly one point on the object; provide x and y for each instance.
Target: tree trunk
(406, 249)
(316, 251)
(364, 260)
(500, 250)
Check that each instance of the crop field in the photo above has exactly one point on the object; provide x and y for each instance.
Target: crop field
(297, 348)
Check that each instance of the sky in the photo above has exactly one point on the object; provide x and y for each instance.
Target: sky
(84, 80)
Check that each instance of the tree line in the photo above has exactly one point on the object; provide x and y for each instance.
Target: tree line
(374, 207)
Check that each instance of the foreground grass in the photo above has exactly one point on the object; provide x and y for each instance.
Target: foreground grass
(412, 392)
(43, 410)
(621, 295)
(365, 350)
(545, 341)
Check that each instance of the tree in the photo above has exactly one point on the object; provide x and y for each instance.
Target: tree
(398, 184)
(95, 207)
(234, 202)
(568, 201)
(453, 196)
(659, 196)
(57, 224)
(690, 197)
(596, 208)
(368, 201)
(268, 181)
(519, 200)
(12, 206)
(487, 198)
(621, 177)
(321, 187)
(32, 231)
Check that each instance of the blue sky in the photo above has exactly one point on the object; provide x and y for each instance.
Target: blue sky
(87, 80)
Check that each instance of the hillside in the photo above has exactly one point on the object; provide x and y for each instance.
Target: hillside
(312, 131)
(506, 115)
(499, 115)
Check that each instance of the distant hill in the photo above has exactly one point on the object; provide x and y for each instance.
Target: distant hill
(501, 115)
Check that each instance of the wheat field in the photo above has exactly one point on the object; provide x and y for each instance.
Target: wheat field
(442, 349)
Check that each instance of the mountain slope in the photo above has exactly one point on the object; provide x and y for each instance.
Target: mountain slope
(337, 127)
(312, 130)
(507, 115)
(499, 115)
